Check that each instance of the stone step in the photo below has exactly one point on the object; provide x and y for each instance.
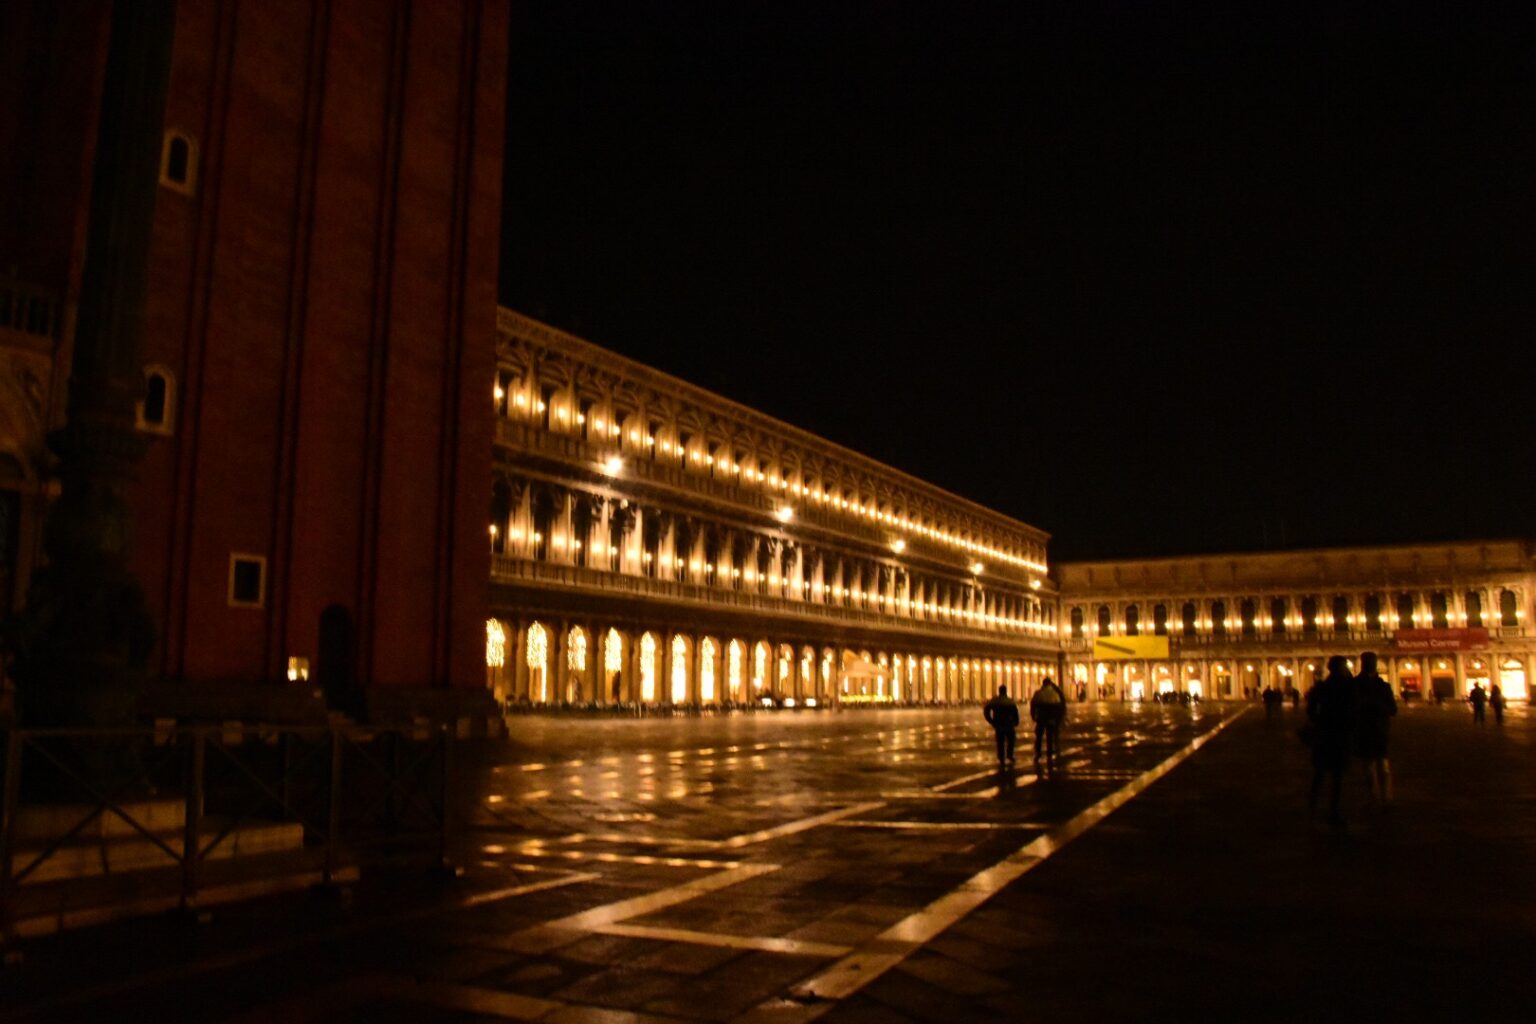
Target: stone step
(42, 823)
(77, 860)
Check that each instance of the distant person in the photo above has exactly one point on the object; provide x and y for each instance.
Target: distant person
(1374, 708)
(1002, 714)
(1478, 697)
(1496, 701)
(1048, 708)
(1292, 694)
(1331, 714)
(1272, 700)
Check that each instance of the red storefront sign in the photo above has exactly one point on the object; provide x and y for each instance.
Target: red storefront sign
(1440, 639)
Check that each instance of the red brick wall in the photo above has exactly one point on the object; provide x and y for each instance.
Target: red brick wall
(327, 302)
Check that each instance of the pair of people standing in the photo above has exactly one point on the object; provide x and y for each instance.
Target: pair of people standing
(1047, 708)
(1350, 716)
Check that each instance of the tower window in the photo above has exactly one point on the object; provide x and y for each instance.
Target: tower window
(155, 412)
(178, 162)
(247, 581)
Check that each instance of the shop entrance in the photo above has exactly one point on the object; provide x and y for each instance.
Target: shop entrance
(1512, 679)
(1409, 683)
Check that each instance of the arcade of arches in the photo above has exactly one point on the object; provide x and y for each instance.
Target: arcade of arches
(543, 661)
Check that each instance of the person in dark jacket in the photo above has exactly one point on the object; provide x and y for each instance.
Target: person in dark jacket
(1478, 697)
(1496, 701)
(1002, 714)
(1374, 708)
(1331, 714)
(1048, 709)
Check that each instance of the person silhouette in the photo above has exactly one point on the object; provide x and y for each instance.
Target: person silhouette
(1374, 708)
(1331, 712)
(1048, 708)
(1002, 714)
(1478, 697)
(1496, 701)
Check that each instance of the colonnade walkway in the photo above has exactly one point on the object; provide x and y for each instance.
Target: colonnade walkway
(875, 866)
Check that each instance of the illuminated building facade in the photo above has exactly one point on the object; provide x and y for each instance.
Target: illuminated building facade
(654, 543)
(1441, 617)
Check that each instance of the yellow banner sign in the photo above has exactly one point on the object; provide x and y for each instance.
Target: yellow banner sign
(1130, 648)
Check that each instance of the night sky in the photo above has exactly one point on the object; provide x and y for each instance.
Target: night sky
(1157, 278)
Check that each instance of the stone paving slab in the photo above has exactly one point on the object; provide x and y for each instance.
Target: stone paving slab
(1210, 895)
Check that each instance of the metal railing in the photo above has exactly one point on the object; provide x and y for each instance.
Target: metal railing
(355, 795)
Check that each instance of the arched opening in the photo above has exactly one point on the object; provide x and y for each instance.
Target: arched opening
(648, 668)
(679, 669)
(1219, 618)
(1438, 610)
(707, 658)
(1077, 623)
(1341, 621)
(1160, 620)
(1132, 621)
(1405, 611)
(1373, 613)
(759, 668)
(495, 658)
(1512, 679)
(1248, 617)
(1509, 609)
(1309, 615)
(613, 664)
(1191, 618)
(735, 669)
(1474, 609)
(1279, 612)
(1104, 621)
(537, 658)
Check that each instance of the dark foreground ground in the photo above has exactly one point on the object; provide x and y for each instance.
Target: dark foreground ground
(872, 866)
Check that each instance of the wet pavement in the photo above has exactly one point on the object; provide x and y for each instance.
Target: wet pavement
(876, 866)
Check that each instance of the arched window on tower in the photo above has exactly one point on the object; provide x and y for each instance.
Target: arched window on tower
(155, 411)
(178, 162)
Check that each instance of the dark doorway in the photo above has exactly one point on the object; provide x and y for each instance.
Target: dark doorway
(335, 672)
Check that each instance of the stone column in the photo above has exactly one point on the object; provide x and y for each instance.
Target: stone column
(519, 656)
(559, 669)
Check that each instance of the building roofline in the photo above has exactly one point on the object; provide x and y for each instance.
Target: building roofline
(506, 316)
(1337, 550)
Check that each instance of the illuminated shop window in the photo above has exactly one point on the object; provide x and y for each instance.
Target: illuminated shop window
(495, 644)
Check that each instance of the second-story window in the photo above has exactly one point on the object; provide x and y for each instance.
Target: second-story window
(1133, 621)
(1373, 612)
(1104, 627)
(1509, 610)
(1219, 618)
(1160, 620)
(1405, 611)
(1474, 609)
(1191, 616)
(1438, 610)
(1340, 614)
(1077, 623)
(1309, 614)
(1279, 608)
(1249, 619)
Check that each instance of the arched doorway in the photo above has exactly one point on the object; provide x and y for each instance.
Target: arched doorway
(576, 661)
(735, 671)
(536, 656)
(679, 680)
(648, 668)
(708, 656)
(613, 664)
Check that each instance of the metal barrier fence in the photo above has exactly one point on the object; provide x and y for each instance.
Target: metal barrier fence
(340, 796)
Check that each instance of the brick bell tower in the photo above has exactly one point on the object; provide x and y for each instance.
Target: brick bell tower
(314, 375)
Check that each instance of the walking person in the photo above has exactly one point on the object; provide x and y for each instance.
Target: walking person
(1331, 713)
(1048, 708)
(1496, 701)
(1478, 697)
(1374, 708)
(1002, 714)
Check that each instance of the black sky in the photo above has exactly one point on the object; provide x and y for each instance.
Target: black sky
(1159, 278)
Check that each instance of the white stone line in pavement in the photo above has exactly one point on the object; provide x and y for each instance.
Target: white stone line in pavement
(790, 828)
(537, 849)
(796, 947)
(497, 895)
(561, 931)
(896, 943)
(942, 826)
